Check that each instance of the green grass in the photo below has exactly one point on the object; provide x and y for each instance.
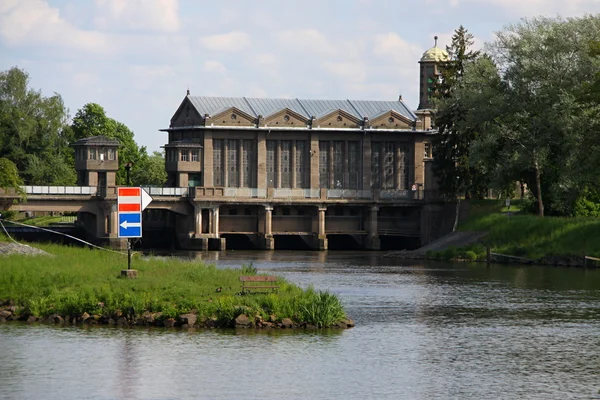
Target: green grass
(78, 280)
(531, 236)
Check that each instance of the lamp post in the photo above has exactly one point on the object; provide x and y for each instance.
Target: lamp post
(128, 166)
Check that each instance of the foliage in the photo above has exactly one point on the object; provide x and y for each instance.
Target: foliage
(534, 130)
(79, 280)
(150, 170)
(587, 204)
(34, 134)
(9, 176)
(91, 120)
(452, 143)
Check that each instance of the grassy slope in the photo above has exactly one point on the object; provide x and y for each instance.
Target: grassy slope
(531, 236)
(80, 280)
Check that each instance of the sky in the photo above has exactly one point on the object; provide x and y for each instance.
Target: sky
(137, 58)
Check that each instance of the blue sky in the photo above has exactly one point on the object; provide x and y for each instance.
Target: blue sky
(136, 58)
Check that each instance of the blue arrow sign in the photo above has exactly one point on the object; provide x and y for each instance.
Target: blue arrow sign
(130, 225)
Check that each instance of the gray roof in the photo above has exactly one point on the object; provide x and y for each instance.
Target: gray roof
(308, 108)
(97, 140)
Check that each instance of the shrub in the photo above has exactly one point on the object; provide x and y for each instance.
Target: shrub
(471, 255)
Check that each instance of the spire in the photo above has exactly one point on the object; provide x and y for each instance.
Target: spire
(435, 38)
(188, 91)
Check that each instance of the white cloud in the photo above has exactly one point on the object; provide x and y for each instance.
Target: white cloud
(34, 22)
(232, 41)
(214, 66)
(350, 72)
(392, 46)
(528, 8)
(136, 15)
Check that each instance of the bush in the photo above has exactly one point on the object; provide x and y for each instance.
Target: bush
(471, 255)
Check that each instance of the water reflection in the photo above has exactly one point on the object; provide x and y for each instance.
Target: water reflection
(424, 330)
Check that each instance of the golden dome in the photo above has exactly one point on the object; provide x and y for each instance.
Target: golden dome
(435, 54)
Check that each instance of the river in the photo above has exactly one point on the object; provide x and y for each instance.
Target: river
(423, 331)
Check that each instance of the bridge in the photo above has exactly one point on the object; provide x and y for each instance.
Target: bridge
(205, 218)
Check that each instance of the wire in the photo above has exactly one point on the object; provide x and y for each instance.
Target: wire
(58, 233)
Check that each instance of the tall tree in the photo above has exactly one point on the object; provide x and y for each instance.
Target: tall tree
(543, 62)
(34, 133)
(91, 120)
(9, 176)
(151, 171)
(451, 144)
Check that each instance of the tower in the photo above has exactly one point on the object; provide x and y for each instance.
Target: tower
(429, 73)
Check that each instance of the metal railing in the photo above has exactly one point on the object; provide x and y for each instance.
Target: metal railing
(245, 192)
(167, 191)
(61, 190)
(296, 193)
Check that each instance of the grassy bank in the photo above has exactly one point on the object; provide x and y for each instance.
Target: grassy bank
(76, 281)
(525, 235)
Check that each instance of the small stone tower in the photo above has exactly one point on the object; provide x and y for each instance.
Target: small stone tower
(429, 73)
(96, 161)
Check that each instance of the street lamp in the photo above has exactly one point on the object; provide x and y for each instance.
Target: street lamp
(128, 166)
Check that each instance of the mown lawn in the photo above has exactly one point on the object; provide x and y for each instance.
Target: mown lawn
(531, 236)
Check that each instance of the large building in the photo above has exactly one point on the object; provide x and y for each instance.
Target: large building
(269, 169)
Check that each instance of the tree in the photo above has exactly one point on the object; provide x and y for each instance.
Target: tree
(91, 120)
(451, 144)
(33, 131)
(542, 63)
(151, 171)
(9, 176)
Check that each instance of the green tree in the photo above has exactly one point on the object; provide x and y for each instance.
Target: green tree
(9, 176)
(151, 171)
(543, 63)
(91, 120)
(452, 143)
(34, 133)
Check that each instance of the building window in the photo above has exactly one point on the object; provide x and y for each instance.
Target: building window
(195, 155)
(91, 154)
(389, 165)
(285, 164)
(354, 165)
(404, 166)
(376, 165)
(218, 162)
(111, 154)
(184, 153)
(324, 164)
(271, 171)
(338, 164)
(286, 118)
(427, 150)
(232, 163)
(249, 163)
(302, 164)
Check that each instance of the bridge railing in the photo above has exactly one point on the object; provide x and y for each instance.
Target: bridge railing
(60, 190)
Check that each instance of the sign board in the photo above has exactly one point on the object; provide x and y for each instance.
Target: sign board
(507, 202)
(131, 201)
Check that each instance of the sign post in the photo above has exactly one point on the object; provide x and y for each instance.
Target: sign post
(131, 201)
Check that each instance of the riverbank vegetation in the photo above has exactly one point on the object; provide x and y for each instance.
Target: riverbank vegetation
(526, 108)
(80, 285)
(549, 240)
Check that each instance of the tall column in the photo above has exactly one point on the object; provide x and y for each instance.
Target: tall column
(314, 160)
(366, 152)
(321, 235)
(372, 240)
(346, 183)
(261, 161)
(398, 159)
(240, 160)
(293, 165)
(197, 220)
(215, 212)
(268, 220)
(225, 163)
(207, 159)
(278, 164)
(269, 241)
(330, 167)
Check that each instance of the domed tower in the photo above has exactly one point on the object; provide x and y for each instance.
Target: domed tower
(429, 73)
